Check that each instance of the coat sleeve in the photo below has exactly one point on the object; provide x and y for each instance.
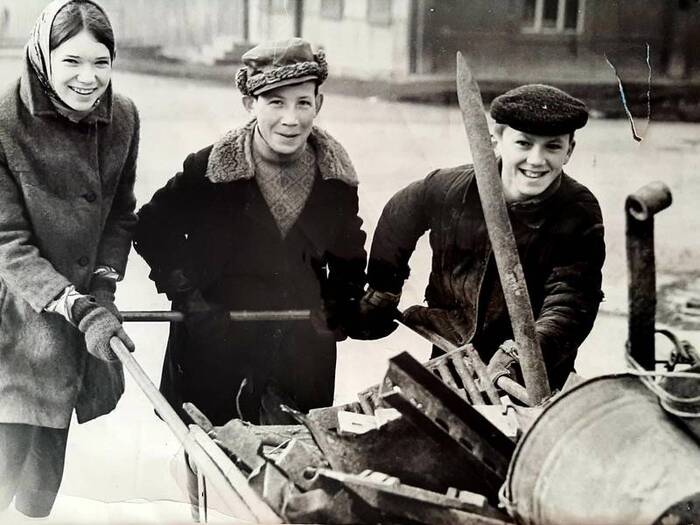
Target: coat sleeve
(115, 242)
(22, 266)
(165, 222)
(346, 257)
(405, 218)
(573, 287)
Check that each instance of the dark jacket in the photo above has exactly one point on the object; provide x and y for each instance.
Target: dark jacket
(212, 222)
(66, 205)
(559, 236)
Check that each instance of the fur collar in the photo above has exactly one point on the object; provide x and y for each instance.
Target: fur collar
(231, 158)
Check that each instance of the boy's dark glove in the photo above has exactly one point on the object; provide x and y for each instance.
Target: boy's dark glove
(376, 315)
(206, 322)
(332, 319)
(99, 325)
(503, 362)
(103, 289)
(446, 323)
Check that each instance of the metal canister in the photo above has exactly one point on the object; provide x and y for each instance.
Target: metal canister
(605, 452)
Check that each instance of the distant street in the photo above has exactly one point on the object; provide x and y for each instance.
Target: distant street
(127, 456)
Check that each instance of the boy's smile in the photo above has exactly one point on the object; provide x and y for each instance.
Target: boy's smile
(530, 163)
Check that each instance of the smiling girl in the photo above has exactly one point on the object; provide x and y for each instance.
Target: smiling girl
(68, 149)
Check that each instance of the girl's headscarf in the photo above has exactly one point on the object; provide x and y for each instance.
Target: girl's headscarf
(39, 56)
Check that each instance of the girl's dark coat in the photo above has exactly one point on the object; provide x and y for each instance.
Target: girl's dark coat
(66, 205)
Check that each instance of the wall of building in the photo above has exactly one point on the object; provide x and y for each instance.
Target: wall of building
(493, 38)
(489, 32)
(354, 46)
(17, 19)
(168, 23)
(271, 19)
(358, 48)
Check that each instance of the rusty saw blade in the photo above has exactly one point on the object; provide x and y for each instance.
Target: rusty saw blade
(501, 234)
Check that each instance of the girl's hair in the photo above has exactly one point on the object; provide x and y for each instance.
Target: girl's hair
(78, 15)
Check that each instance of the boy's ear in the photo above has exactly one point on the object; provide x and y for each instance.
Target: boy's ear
(248, 103)
(572, 145)
(319, 102)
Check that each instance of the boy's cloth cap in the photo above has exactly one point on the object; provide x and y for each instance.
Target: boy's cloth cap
(539, 109)
(282, 63)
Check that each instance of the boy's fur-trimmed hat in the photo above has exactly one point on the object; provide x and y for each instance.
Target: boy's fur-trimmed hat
(282, 63)
(539, 109)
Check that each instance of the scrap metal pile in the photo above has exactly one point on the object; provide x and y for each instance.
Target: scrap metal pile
(411, 450)
(414, 450)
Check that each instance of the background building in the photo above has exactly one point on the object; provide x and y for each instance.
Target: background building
(410, 45)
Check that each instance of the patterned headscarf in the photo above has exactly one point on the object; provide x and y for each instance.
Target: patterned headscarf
(38, 51)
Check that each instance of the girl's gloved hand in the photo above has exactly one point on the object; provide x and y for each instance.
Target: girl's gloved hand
(99, 325)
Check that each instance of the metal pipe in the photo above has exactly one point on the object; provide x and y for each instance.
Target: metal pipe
(238, 315)
(219, 470)
(640, 208)
(513, 389)
(466, 374)
(505, 251)
(446, 375)
(482, 374)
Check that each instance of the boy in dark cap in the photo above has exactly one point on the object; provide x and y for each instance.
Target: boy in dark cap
(264, 219)
(557, 225)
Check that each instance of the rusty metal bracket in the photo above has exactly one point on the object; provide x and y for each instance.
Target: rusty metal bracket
(640, 208)
(473, 441)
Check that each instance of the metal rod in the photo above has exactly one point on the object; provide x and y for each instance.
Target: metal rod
(640, 208)
(364, 399)
(446, 375)
(482, 374)
(467, 378)
(501, 234)
(513, 389)
(238, 494)
(239, 315)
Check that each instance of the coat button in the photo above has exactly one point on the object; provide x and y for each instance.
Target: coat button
(83, 261)
(90, 196)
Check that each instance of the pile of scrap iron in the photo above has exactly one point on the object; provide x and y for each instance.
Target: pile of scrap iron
(412, 450)
(415, 450)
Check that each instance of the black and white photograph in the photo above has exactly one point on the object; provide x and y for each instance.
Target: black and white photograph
(350, 262)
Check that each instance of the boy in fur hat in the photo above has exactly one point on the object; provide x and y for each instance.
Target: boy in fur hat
(557, 225)
(264, 219)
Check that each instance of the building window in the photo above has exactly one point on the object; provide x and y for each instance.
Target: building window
(379, 12)
(553, 16)
(332, 9)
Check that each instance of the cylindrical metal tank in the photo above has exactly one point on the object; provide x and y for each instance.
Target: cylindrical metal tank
(605, 452)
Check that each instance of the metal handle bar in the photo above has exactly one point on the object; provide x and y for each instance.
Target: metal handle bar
(236, 315)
